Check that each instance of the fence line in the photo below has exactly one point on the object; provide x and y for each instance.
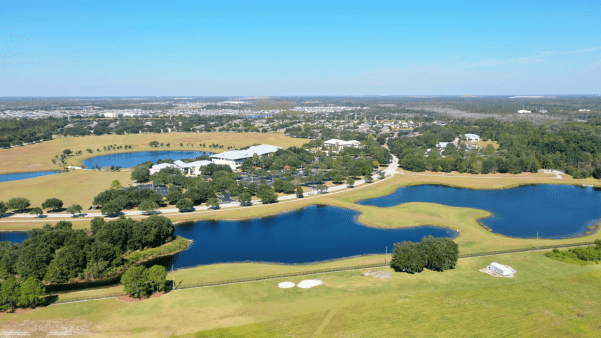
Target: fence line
(313, 272)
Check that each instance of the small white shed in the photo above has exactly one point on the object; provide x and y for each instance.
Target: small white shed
(500, 269)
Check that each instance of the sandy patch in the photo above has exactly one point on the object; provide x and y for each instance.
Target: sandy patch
(309, 283)
(286, 285)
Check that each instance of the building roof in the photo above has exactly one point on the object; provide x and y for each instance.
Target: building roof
(501, 268)
(341, 142)
(163, 166)
(260, 150)
(471, 135)
(442, 144)
(194, 164)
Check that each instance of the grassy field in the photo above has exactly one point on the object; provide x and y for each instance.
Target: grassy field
(37, 157)
(74, 187)
(545, 298)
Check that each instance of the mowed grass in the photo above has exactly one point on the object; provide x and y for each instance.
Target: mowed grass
(38, 157)
(545, 298)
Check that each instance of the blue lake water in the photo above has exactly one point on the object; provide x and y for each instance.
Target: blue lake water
(13, 236)
(555, 211)
(23, 176)
(314, 233)
(128, 160)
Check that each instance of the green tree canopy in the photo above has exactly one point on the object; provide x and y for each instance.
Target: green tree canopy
(52, 203)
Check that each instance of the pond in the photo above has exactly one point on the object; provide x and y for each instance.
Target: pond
(13, 236)
(311, 234)
(554, 211)
(23, 176)
(128, 160)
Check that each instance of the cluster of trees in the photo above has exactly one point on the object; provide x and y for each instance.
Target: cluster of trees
(58, 254)
(15, 294)
(438, 254)
(574, 148)
(583, 254)
(16, 132)
(112, 201)
(138, 281)
(22, 204)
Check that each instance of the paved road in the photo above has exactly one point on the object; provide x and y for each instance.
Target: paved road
(389, 172)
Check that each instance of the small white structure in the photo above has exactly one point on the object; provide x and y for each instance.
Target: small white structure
(500, 269)
(440, 145)
(286, 285)
(342, 144)
(524, 111)
(234, 158)
(472, 137)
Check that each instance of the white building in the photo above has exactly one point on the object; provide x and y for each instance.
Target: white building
(472, 137)
(524, 111)
(192, 168)
(500, 269)
(341, 143)
(234, 158)
(441, 145)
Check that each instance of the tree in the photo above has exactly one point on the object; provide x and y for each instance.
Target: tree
(140, 174)
(175, 194)
(3, 208)
(278, 185)
(266, 194)
(154, 144)
(52, 203)
(18, 203)
(67, 152)
(322, 188)
(185, 204)
(350, 182)
(597, 173)
(31, 291)
(134, 281)
(244, 198)
(156, 277)
(111, 209)
(408, 257)
(299, 192)
(213, 203)
(74, 209)
(10, 293)
(148, 207)
(381, 174)
(369, 178)
(37, 211)
(115, 185)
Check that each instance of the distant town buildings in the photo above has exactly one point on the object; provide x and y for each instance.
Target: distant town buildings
(472, 137)
(524, 111)
(341, 143)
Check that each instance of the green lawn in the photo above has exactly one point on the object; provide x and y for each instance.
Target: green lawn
(543, 299)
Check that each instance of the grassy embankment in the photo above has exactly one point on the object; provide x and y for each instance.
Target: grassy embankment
(545, 298)
(38, 157)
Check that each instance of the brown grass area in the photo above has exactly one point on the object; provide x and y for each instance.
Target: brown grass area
(74, 187)
(37, 157)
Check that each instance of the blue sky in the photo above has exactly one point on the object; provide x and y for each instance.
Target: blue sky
(200, 48)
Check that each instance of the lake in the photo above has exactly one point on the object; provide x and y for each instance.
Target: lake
(311, 234)
(13, 236)
(555, 211)
(128, 160)
(23, 176)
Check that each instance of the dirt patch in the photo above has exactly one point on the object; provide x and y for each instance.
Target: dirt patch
(46, 328)
(129, 299)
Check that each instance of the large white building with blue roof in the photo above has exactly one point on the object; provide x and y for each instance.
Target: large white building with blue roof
(234, 158)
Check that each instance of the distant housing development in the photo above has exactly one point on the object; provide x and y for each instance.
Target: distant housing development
(234, 158)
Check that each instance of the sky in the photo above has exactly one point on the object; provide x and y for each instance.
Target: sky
(299, 48)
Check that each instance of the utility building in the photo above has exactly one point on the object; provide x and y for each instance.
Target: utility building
(500, 269)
